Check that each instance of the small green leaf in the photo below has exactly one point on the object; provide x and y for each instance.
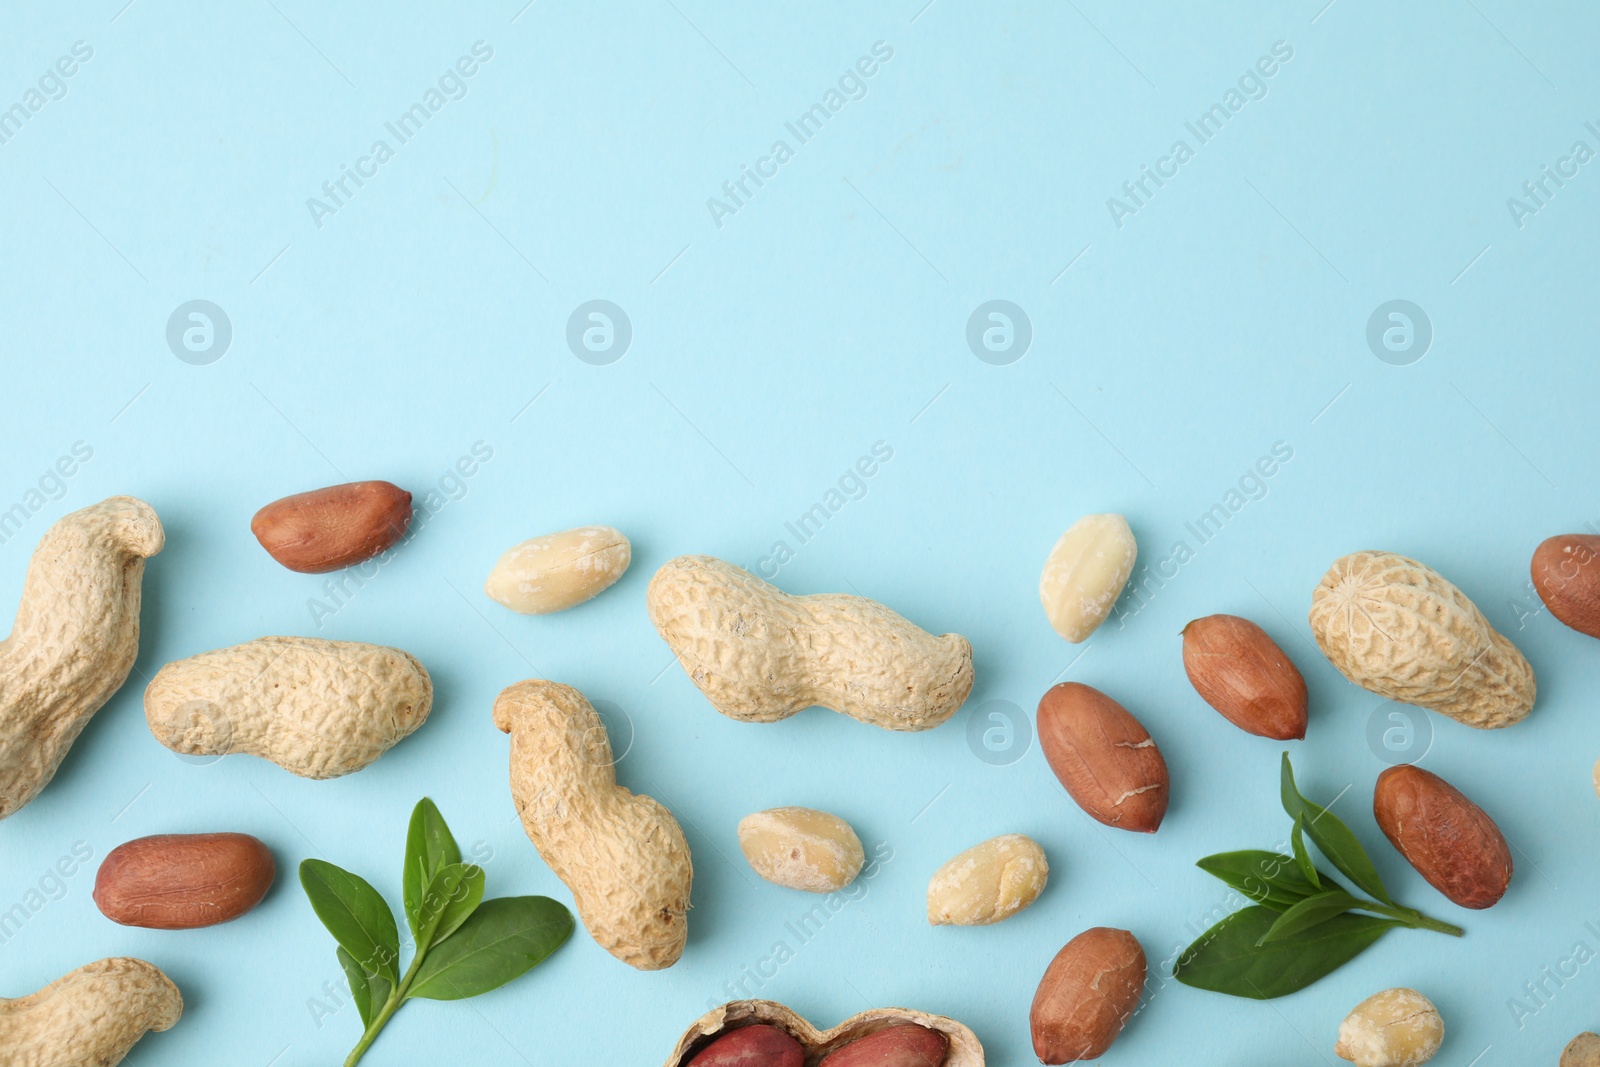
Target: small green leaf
(498, 942)
(429, 847)
(1332, 837)
(355, 915)
(360, 991)
(1267, 878)
(1301, 856)
(1312, 911)
(452, 896)
(1226, 958)
(369, 991)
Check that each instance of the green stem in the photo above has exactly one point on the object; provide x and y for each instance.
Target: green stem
(379, 1021)
(1412, 918)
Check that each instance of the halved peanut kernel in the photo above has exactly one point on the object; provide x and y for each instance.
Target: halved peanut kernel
(801, 848)
(988, 882)
(1085, 574)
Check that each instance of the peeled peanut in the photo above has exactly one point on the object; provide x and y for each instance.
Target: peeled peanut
(760, 655)
(1566, 575)
(988, 882)
(183, 881)
(316, 708)
(1087, 995)
(1240, 671)
(902, 1045)
(801, 848)
(89, 1017)
(559, 570)
(325, 529)
(1085, 574)
(1449, 840)
(1395, 1028)
(952, 1045)
(75, 638)
(751, 1046)
(1105, 758)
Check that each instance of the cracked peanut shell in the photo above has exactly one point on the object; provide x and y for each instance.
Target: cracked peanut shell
(964, 1048)
(1399, 629)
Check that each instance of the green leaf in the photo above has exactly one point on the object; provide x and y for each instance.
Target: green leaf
(429, 847)
(452, 896)
(1332, 837)
(1267, 878)
(1226, 958)
(1301, 856)
(1312, 911)
(355, 915)
(370, 991)
(500, 941)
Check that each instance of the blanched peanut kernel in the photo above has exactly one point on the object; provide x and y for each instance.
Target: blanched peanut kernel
(559, 570)
(1085, 574)
(801, 848)
(988, 882)
(1395, 1028)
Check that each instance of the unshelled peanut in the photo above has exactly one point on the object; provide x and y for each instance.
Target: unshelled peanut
(1399, 629)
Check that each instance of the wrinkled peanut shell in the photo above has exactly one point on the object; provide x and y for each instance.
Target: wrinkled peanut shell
(761, 655)
(89, 1017)
(316, 708)
(75, 638)
(1400, 629)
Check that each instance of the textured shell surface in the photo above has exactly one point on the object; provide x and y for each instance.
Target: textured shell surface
(965, 1049)
(761, 655)
(1400, 629)
(89, 1017)
(622, 854)
(75, 638)
(316, 708)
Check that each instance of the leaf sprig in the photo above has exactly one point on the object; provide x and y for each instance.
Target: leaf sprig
(1303, 924)
(464, 945)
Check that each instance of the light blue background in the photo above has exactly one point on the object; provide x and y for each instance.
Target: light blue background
(827, 314)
